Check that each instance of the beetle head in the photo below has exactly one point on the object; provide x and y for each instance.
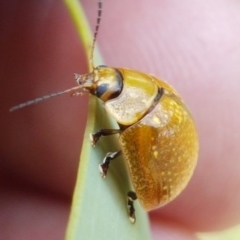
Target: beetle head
(103, 82)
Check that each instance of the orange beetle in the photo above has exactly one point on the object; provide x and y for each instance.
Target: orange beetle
(156, 131)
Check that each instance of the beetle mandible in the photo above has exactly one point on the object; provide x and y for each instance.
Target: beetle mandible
(156, 131)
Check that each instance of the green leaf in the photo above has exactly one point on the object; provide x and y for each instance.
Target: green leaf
(99, 207)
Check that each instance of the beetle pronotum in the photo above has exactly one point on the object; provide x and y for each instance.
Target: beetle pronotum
(157, 134)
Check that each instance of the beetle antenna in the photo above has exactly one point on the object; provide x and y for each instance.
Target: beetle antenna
(46, 97)
(99, 16)
(43, 98)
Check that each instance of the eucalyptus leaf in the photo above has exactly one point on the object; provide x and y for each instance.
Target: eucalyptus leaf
(99, 207)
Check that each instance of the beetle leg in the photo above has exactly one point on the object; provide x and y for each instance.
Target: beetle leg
(103, 167)
(94, 137)
(131, 210)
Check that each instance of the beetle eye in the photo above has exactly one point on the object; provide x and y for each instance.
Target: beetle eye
(101, 89)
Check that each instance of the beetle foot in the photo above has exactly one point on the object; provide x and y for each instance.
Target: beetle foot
(94, 137)
(106, 161)
(103, 168)
(131, 210)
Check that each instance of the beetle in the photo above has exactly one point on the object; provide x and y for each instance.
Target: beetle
(157, 134)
